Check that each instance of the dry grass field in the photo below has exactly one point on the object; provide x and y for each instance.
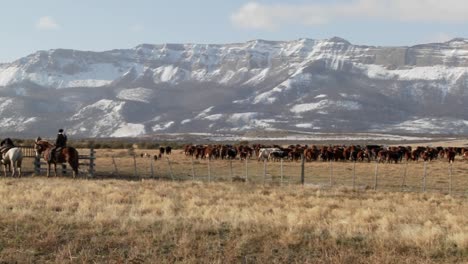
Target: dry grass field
(125, 216)
(60, 220)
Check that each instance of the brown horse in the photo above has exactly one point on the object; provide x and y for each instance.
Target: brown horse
(67, 154)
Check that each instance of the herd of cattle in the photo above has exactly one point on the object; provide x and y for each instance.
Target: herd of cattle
(325, 153)
(162, 150)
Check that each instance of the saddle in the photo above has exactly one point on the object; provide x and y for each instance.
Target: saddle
(55, 155)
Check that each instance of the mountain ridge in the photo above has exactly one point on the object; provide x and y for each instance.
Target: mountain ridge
(312, 85)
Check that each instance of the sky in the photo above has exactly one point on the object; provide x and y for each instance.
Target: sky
(98, 25)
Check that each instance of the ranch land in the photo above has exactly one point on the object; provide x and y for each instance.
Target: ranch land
(181, 210)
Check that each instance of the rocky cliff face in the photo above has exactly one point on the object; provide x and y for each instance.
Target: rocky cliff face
(307, 85)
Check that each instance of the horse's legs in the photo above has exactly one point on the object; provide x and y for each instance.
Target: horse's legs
(55, 169)
(18, 164)
(48, 170)
(13, 164)
(74, 165)
(4, 170)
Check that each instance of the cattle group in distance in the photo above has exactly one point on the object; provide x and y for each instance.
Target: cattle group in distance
(162, 150)
(357, 153)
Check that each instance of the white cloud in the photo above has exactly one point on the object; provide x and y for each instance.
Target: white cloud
(47, 23)
(272, 16)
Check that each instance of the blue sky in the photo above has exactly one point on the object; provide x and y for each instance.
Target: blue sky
(28, 26)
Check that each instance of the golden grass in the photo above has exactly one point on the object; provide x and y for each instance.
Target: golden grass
(115, 221)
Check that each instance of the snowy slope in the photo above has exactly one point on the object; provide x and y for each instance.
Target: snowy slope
(312, 85)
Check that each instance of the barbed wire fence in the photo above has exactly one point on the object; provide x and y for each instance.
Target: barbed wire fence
(405, 176)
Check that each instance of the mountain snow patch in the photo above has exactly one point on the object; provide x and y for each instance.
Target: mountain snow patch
(164, 126)
(214, 117)
(306, 125)
(431, 126)
(339, 105)
(204, 113)
(242, 117)
(129, 130)
(19, 123)
(143, 95)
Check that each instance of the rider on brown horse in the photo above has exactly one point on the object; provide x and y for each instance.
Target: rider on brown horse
(60, 143)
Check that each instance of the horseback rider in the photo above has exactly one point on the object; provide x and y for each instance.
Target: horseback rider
(60, 143)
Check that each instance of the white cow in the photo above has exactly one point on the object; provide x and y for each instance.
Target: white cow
(264, 153)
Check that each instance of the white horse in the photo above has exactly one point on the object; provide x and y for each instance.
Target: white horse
(13, 157)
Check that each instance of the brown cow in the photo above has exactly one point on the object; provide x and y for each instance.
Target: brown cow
(450, 153)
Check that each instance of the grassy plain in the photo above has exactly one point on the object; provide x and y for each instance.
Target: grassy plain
(124, 216)
(61, 220)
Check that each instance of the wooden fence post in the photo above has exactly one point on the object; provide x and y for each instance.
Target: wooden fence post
(376, 173)
(403, 182)
(302, 169)
(450, 175)
(92, 164)
(264, 171)
(37, 165)
(116, 171)
(170, 168)
(193, 169)
(331, 173)
(230, 169)
(152, 167)
(246, 170)
(135, 172)
(209, 170)
(424, 177)
(282, 171)
(354, 175)
(64, 169)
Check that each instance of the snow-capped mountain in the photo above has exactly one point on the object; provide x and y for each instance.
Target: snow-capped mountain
(308, 85)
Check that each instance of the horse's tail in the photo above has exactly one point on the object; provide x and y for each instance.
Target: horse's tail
(74, 159)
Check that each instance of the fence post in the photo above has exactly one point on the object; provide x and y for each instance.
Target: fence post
(282, 171)
(170, 168)
(193, 169)
(37, 165)
(152, 167)
(424, 177)
(302, 169)
(209, 170)
(116, 171)
(354, 175)
(450, 180)
(376, 173)
(92, 157)
(264, 171)
(331, 173)
(64, 169)
(230, 169)
(135, 172)
(403, 182)
(246, 170)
